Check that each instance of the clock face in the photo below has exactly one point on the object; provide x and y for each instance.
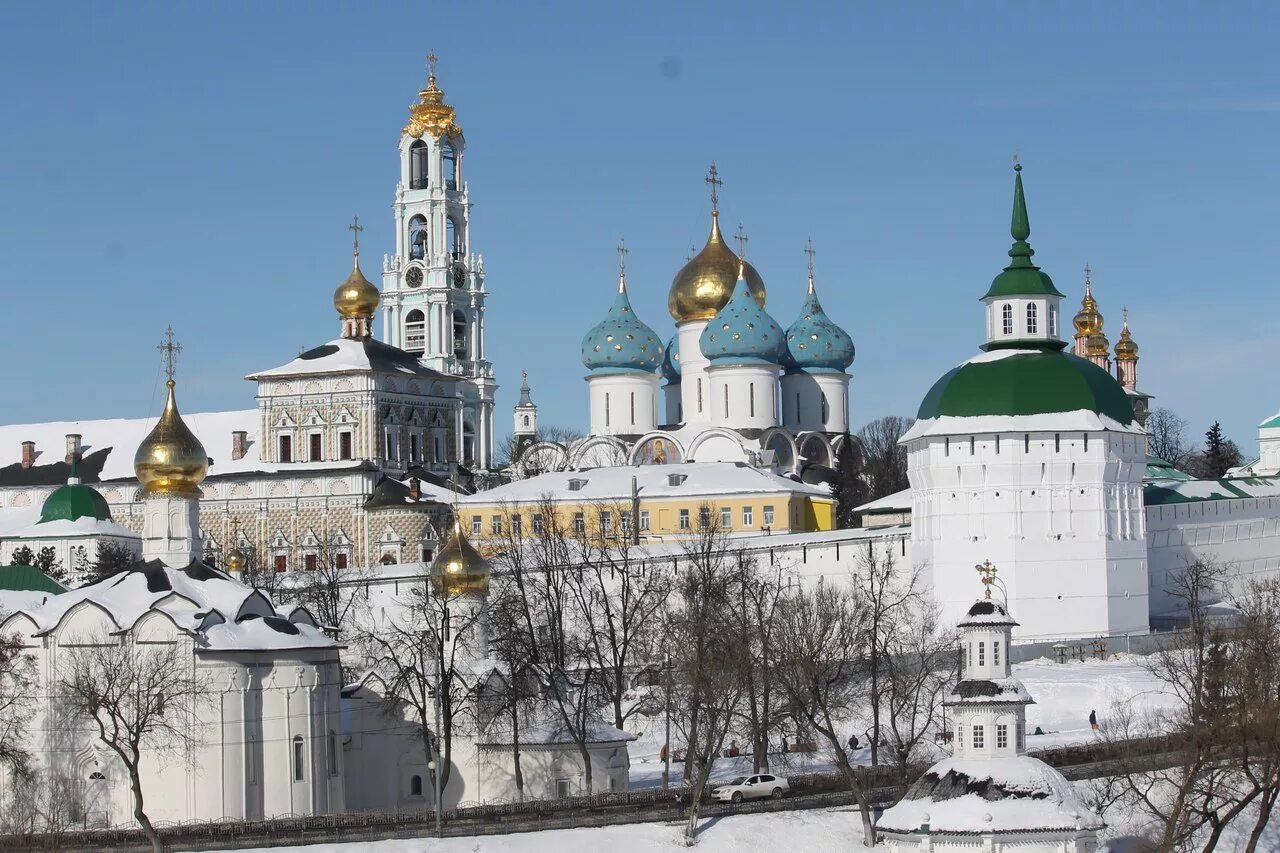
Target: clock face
(413, 277)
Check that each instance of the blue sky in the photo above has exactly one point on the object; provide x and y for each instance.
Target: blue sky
(197, 164)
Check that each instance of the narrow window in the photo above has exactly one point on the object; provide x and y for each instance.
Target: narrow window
(415, 449)
(415, 786)
(826, 409)
(982, 654)
(768, 516)
(969, 657)
(748, 516)
(624, 522)
(726, 401)
(1002, 736)
(997, 442)
(310, 562)
(946, 446)
(340, 560)
(297, 758)
(495, 525)
(797, 407)
(415, 332)
(418, 172)
(286, 448)
(579, 523)
(1053, 320)
(475, 525)
(1031, 318)
(995, 652)
(606, 523)
(644, 519)
(316, 448)
(516, 524)
(977, 736)
(1006, 319)
(537, 524)
(726, 517)
(333, 753)
(1022, 736)
(450, 157)
(1086, 442)
(1026, 442)
(684, 519)
(281, 562)
(704, 517)
(699, 395)
(633, 408)
(972, 445)
(751, 396)
(344, 445)
(1057, 442)
(606, 408)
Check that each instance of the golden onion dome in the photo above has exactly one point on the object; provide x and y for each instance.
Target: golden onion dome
(1126, 347)
(459, 568)
(1088, 321)
(705, 283)
(431, 115)
(171, 460)
(356, 297)
(235, 560)
(1097, 344)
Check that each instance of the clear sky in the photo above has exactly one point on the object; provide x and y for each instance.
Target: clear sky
(197, 164)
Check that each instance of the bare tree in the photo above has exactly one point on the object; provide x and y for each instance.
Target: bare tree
(820, 632)
(332, 589)
(565, 436)
(919, 666)
(1167, 438)
(40, 801)
(760, 593)
(142, 699)
(17, 686)
(885, 463)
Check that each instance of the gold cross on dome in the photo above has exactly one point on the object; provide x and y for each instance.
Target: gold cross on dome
(740, 237)
(808, 250)
(988, 571)
(431, 62)
(169, 350)
(623, 251)
(355, 228)
(713, 178)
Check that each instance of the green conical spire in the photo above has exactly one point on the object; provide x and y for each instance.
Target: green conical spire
(1021, 277)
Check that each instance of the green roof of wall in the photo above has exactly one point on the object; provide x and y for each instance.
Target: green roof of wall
(1193, 491)
(1027, 383)
(1271, 423)
(28, 578)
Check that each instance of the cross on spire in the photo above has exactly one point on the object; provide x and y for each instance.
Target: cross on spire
(713, 178)
(431, 63)
(355, 228)
(1125, 312)
(169, 350)
(623, 251)
(988, 571)
(740, 237)
(1088, 284)
(808, 250)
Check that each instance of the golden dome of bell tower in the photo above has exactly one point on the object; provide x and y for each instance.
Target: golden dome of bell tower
(704, 284)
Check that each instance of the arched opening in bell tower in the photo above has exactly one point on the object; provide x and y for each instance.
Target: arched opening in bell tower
(415, 329)
(418, 238)
(460, 334)
(453, 237)
(419, 168)
(450, 156)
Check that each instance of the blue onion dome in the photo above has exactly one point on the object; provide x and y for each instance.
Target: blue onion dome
(620, 343)
(742, 332)
(671, 361)
(815, 344)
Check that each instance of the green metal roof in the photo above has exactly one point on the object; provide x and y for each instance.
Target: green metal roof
(73, 501)
(28, 578)
(1021, 277)
(1272, 422)
(1161, 469)
(1027, 383)
(1192, 491)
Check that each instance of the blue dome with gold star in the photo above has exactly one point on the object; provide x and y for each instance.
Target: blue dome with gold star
(742, 332)
(620, 343)
(815, 344)
(671, 361)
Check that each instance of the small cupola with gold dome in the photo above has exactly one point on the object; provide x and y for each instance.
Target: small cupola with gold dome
(1127, 368)
(459, 569)
(356, 299)
(1090, 340)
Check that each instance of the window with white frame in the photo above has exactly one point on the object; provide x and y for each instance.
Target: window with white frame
(684, 519)
(748, 516)
(978, 737)
(1053, 320)
(644, 519)
(495, 525)
(606, 523)
(299, 754)
(726, 516)
(1032, 323)
(537, 524)
(1006, 319)
(982, 654)
(995, 652)
(579, 523)
(1002, 735)
(768, 515)
(475, 525)
(517, 526)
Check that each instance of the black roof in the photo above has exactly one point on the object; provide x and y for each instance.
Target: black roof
(56, 473)
(956, 783)
(383, 357)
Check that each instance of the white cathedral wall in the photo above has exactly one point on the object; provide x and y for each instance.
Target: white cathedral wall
(743, 396)
(1063, 524)
(623, 403)
(1269, 449)
(802, 401)
(1241, 534)
(694, 386)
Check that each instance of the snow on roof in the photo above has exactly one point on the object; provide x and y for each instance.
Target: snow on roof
(1080, 420)
(983, 690)
(345, 355)
(984, 611)
(13, 600)
(123, 435)
(223, 613)
(1021, 794)
(896, 502)
(683, 480)
(1187, 491)
(551, 732)
(13, 519)
(64, 529)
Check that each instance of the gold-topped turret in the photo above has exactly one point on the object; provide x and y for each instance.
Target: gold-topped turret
(1126, 347)
(356, 298)
(459, 568)
(1088, 321)
(171, 460)
(431, 115)
(705, 283)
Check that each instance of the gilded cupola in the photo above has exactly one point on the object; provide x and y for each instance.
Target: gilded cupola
(235, 561)
(459, 568)
(431, 115)
(356, 298)
(1126, 347)
(171, 460)
(1088, 321)
(703, 285)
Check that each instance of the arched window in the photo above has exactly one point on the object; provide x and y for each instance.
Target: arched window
(415, 786)
(468, 443)
(453, 238)
(415, 332)
(1006, 319)
(298, 756)
(418, 238)
(419, 172)
(450, 165)
(459, 334)
(826, 409)
(1053, 320)
(1031, 318)
(333, 753)
(526, 420)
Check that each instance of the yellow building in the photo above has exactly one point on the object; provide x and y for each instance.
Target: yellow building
(661, 502)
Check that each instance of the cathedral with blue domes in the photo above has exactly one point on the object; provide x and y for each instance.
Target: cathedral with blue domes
(730, 385)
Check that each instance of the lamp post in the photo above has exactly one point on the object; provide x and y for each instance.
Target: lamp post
(666, 766)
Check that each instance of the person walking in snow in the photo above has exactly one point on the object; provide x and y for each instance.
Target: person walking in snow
(1093, 721)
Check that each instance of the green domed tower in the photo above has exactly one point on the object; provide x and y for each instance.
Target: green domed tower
(74, 501)
(1030, 457)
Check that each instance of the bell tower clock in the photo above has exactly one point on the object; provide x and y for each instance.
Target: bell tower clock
(433, 285)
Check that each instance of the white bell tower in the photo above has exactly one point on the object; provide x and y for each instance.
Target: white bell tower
(433, 285)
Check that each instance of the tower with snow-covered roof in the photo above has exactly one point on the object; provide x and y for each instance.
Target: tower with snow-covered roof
(989, 794)
(1032, 457)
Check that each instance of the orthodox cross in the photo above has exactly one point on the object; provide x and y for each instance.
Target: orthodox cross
(524, 377)
(355, 228)
(740, 237)
(169, 350)
(623, 251)
(988, 571)
(713, 178)
(693, 250)
(1087, 272)
(431, 63)
(808, 250)
(1125, 312)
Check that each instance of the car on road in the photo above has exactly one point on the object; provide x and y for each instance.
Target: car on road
(759, 787)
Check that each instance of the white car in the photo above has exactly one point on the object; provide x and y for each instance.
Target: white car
(758, 787)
